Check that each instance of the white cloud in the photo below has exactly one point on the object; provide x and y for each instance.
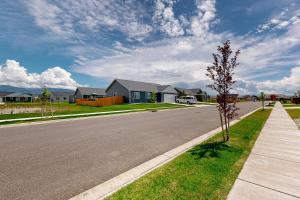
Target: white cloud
(206, 14)
(12, 73)
(72, 19)
(184, 60)
(281, 21)
(164, 16)
(288, 84)
(175, 59)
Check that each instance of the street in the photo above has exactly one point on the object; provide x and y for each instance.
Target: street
(60, 160)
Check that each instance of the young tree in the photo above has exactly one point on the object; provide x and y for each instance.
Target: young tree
(44, 100)
(221, 73)
(153, 97)
(262, 98)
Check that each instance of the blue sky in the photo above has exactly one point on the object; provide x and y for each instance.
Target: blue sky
(88, 42)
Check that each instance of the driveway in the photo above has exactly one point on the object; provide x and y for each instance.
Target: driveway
(60, 160)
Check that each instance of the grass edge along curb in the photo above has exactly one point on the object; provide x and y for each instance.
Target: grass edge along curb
(207, 171)
(12, 121)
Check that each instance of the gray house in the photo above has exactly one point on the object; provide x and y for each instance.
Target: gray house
(89, 93)
(18, 97)
(3, 95)
(197, 92)
(140, 92)
(61, 96)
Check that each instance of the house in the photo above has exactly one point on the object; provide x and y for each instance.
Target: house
(296, 100)
(18, 97)
(61, 96)
(2, 96)
(89, 93)
(249, 98)
(197, 92)
(140, 92)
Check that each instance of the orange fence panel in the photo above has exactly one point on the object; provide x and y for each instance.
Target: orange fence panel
(106, 101)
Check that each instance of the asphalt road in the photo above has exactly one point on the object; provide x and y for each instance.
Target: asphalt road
(60, 160)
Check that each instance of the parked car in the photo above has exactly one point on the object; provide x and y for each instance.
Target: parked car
(187, 99)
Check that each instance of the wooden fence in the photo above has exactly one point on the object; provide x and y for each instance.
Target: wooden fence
(106, 101)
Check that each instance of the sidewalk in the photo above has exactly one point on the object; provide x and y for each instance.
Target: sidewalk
(272, 170)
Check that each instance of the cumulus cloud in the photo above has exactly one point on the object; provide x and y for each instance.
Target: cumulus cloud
(12, 73)
(288, 84)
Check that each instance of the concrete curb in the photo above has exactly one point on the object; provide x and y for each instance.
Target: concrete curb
(109, 187)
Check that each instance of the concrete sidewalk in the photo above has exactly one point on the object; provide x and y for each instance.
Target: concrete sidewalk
(272, 170)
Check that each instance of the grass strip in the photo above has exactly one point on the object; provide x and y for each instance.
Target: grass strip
(207, 171)
(294, 113)
(130, 108)
(291, 105)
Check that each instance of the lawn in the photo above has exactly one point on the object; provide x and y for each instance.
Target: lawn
(207, 171)
(76, 109)
(206, 103)
(294, 113)
(291, 105)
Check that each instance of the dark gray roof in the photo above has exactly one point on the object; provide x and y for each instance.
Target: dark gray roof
(62, 94)
(193, 91)
(145, 86)
(18, 94)
(166, 89)
(91, 91)
(3, 94)
(138, 86)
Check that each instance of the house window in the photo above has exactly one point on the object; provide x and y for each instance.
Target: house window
(115, 93)
(136, 95)
(57, 98)
(65, 98)
(148, 95)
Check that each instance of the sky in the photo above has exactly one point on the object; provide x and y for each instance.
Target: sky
(70, 43)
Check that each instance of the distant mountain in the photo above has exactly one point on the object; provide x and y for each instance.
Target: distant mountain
(8, 88)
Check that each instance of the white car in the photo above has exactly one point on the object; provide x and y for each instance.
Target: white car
(187, 99)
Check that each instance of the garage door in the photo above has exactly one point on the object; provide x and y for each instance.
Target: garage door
(169, 98)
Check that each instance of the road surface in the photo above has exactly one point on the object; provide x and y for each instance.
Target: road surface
(60, 160)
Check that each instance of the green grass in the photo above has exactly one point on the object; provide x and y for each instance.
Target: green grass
(207, 171)
(294, 113)
(206, 103)
(76, 109)
(291, 105)
(31, 105)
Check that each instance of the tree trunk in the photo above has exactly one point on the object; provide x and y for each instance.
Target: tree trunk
(226, 124)
(51, 108)
(221, 118)
(228, 134)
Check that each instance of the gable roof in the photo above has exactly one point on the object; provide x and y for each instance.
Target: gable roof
(61, 94)
(166, 89)
(144, 86)
(3, 94)
(91, 91)
(18, 94)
